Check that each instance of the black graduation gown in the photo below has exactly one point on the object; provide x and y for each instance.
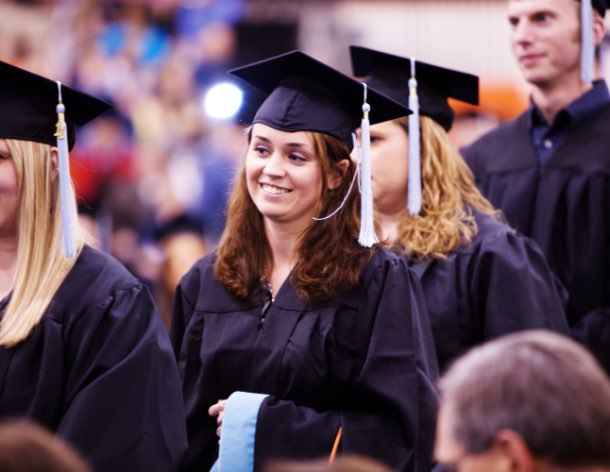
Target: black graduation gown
(498, 284)
(564, 207)
(363, 360)
(99, 371)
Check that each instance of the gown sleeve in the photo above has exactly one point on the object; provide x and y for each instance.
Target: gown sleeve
(514, 289)
(123, 379)
(388, 413)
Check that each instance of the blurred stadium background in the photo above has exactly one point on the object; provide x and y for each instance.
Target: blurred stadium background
(152, 176)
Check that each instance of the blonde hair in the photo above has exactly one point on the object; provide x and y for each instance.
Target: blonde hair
(448, 197)
(41, 263)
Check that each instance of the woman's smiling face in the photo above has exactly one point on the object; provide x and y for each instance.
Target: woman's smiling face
(283, 175)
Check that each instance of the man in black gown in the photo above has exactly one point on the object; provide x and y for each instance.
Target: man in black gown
(549, 169)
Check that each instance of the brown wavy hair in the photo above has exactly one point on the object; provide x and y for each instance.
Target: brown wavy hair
(329, 256)
(449, 195)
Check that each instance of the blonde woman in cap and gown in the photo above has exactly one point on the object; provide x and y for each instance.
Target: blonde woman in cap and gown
(481, 279)
(83, 351)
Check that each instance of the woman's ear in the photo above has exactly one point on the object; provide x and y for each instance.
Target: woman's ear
(335, 177)
(54, 163)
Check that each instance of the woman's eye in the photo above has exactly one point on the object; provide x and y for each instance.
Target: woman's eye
(261, 150)
(296, 158)
(375, 139)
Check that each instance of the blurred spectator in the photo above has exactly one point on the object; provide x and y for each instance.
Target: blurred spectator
(181, 243)
(27, 447)
(468, 127)
(216, 46)
(347, 463)
(171, 115)
(124, 222)
(193, 16)
(131, 32)
(529, 402)
(222, 152)
(159, 156)
(105, 155)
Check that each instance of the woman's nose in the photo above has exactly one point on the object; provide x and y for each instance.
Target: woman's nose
(275, 166)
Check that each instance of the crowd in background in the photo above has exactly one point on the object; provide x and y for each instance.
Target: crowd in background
(151, 176)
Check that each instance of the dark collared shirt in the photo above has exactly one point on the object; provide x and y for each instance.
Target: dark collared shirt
(547, 138)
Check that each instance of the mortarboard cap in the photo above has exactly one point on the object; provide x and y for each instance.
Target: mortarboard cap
(390, 74)
(44, 111)
(30, 101)
(425, 88)
(305, 94)
(252, 99)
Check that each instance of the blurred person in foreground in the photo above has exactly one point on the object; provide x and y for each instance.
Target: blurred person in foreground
(83, 351)
(28, 447)
(346, 463)
(549, 169)
(529, 402)
(481, 279)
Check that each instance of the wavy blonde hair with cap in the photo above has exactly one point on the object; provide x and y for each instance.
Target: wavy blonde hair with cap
(41, 263)
(449, 195)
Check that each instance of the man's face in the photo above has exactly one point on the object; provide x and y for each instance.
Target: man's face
(545, 40)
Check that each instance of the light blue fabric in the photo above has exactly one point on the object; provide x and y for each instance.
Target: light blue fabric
(238, 431)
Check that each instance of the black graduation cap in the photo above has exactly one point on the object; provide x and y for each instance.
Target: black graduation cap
(182, 223)
(252, 99)
(305, 94)
(28, 104)
(390, 75)
(35, 108)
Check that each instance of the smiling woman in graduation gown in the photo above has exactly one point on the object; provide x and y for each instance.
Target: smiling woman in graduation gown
(480, 278)
(338, 349)
(83, 351)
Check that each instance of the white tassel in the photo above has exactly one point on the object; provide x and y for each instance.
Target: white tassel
(65, 193)
(587, 46)
(367, 236)
(414, 188)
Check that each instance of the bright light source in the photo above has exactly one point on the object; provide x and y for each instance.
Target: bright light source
(222, 101)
